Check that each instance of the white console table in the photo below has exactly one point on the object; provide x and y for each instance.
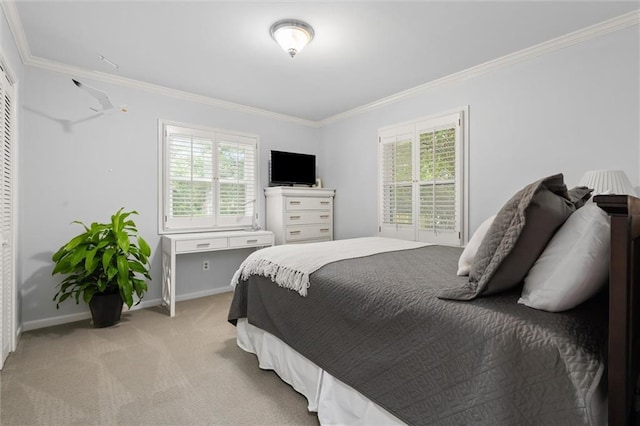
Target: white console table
(175, 244)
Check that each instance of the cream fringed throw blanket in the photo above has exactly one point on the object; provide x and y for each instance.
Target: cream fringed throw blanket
(289, 266)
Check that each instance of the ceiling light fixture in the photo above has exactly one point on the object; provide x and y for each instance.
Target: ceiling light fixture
(292, 35)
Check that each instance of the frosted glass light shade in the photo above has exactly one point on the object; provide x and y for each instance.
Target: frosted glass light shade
(608, 182)
(292, 35)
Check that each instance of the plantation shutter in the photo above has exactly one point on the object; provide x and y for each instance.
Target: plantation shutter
(396, 183)
(210, 179)
(190, 183)
(7, 301)
(420, 181)
(236, 179)
(439, 183)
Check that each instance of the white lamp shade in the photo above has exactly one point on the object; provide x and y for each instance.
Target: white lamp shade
(608, 182)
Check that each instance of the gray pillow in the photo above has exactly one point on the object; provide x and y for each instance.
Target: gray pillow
(517, 237)
(579, 195)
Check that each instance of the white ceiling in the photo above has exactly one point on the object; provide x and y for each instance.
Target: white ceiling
(362, 51)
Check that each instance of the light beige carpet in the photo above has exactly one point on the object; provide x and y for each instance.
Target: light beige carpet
(149, 369)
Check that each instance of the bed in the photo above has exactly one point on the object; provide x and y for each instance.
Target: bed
(373, 342)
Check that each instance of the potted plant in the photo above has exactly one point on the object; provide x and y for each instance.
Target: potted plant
(105, 265)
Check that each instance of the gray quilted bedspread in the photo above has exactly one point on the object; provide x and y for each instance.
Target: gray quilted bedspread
(376, 324)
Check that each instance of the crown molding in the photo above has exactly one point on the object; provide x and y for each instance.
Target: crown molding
(15, 25)
(600, 29)
(62, 68)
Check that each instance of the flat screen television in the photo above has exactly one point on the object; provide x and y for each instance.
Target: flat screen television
(290, 168)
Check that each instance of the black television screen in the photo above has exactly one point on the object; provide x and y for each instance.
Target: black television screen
(289, 168)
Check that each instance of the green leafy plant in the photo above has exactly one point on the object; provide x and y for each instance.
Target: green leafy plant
(106, 258)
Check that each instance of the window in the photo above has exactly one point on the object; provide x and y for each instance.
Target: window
(422, 180)
(209, 179)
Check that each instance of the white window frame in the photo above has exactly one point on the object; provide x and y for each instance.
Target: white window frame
(411, 130)
(167, 225)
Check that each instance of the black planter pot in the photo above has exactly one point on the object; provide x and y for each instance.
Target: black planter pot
(106, 309)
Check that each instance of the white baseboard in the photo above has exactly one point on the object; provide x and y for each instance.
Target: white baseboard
(203, 293)
(48, 322)
(64, 319)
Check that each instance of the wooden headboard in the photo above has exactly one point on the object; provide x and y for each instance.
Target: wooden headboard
(624, 271)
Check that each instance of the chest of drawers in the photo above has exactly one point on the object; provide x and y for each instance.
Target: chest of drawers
(299, 215)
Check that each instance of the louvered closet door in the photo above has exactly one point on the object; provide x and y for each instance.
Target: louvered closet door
(6, 220)
(438, 203)
(396, 159)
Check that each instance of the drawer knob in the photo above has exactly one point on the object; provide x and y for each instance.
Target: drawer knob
(324, 216)
(252, 241)
(324, 202)
(294, 232)
(294, 217)
(324, 230)
(202, 245)
(294, 202)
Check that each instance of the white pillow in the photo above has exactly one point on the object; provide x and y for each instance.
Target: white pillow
(573, 266)
(466, 258)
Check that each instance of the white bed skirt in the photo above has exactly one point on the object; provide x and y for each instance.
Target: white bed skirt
(335, 402)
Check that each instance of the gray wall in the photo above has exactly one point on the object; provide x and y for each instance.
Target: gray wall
(572, 110)
(88, 170)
